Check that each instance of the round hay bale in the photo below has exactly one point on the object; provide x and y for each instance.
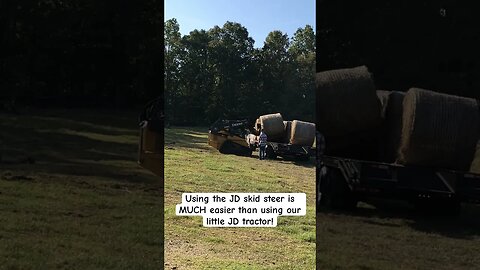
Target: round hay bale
(346, 101)
(438, 130)
(272, 125)
(303, 133)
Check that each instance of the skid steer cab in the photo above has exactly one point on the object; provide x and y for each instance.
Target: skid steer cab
(230, 137)
(151, 140)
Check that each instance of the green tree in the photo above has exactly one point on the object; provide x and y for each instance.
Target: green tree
(195, 77)
(219, 74)
(302, 90)
(230, 59)
(303, 42)
(172, 51)
(275, 72)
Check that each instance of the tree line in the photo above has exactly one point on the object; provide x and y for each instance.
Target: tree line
(218, 73)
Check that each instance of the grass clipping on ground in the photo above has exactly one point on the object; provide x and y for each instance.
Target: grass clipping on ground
(192, 166)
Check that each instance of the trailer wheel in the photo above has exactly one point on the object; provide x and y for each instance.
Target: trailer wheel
(333, 191)
(270, 153)
(453, 208)
(230, 147)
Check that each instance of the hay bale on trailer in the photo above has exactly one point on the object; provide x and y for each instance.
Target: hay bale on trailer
(438, 130)
(303, 133)
(349, 113)
(346, 101)
(272, 125)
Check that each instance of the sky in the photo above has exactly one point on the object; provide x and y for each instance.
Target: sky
(260, 17)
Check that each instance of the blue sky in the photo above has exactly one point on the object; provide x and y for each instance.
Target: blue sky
(259, 16)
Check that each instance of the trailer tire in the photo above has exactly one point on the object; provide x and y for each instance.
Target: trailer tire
(333, 191)
(453, 209)
(270, 153)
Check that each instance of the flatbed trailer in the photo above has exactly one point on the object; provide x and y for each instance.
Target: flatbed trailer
(342, 182)
(287, 150)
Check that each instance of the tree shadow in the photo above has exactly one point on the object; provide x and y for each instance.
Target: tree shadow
(71, 146)
(307, 163)
(186, 138)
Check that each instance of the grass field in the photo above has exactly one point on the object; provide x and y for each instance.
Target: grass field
(192, 166)
(84, 203)
(394, 236)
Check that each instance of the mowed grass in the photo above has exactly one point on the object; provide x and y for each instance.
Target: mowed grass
(193, 166)
(84, 203)
(395, 236)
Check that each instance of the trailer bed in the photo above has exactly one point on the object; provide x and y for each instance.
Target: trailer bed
(389, 180)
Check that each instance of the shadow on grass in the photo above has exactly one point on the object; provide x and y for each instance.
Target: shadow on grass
(464, 226)
(74, 145)
(307, 163)
(186, 137)
(310, 163)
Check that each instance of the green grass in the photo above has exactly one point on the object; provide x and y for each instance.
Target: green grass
(193, 166)
(84, 203)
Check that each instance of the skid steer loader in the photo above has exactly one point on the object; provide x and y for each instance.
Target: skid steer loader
(231, 137)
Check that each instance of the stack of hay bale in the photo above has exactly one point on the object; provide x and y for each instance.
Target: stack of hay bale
(294, 132)
(431, 129)
(419, 127)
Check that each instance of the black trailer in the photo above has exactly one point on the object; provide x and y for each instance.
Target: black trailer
(287, 150)
(342, 182)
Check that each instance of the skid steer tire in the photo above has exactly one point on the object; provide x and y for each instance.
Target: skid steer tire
(232, 148)
(270, 153)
